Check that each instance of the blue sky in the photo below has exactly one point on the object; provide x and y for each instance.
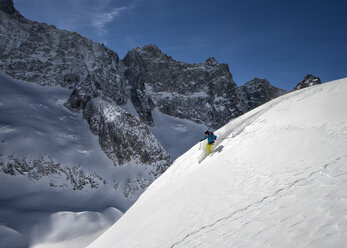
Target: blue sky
(274, 39)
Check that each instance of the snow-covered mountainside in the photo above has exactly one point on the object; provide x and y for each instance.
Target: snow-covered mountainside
(40, 53)
(53, 168)
(277, 178)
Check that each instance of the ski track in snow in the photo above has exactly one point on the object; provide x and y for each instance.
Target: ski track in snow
(268, 197)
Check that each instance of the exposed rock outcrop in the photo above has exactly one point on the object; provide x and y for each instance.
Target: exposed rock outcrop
(259, 91)
(123, 137)
(45, 167)
(204, 93)
(308, 81)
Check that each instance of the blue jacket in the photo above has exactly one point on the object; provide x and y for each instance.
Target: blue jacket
(210, 138)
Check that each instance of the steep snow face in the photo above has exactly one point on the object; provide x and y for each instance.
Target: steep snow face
(277, 178)
(176, 135)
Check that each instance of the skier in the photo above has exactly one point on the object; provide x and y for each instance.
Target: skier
(210, 140)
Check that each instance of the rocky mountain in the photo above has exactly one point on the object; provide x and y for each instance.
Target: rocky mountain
(37, 52)
(204, 93)
(7, 6)
(308, 81)
(259, 91)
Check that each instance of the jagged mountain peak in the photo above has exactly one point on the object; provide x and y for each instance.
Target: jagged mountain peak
(148, 52)
(309, 80)
(152, 51)
(7, 6)
(258, 91)
(151, 48)
(211, 60)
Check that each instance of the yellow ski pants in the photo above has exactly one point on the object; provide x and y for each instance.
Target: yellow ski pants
(208, 148)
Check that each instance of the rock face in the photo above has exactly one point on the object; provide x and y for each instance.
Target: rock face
(40, 53)
(45, 166)
(259, 91)
(123, 137)
(309, 80)
(7, 6)
(203, 93)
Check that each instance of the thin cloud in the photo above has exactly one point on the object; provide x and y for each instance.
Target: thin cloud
(99, 20)
(88, 17)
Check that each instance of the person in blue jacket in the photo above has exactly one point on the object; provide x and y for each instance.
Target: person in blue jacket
(210, 140)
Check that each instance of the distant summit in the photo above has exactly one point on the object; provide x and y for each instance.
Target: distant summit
(308, 81)
(211, 60)
(259, 91)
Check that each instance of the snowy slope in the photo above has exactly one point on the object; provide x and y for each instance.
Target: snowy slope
(281, 181)
(176, 135)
